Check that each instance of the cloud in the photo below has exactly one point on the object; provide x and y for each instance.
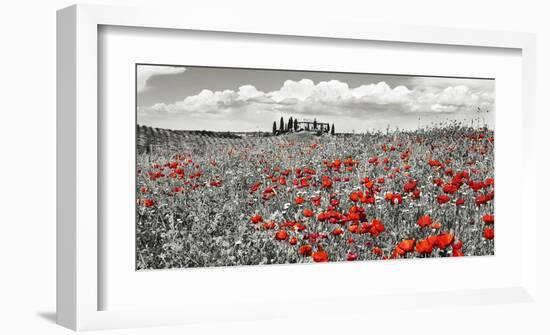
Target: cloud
(333, 99)
(144, 72)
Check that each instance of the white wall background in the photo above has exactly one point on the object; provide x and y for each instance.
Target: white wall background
(27, 165)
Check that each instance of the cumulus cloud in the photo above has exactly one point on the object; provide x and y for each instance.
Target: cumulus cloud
(332, 98)
(144, 72)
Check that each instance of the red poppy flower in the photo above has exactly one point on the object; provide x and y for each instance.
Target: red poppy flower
(457, 245)
(338, 231)
(450, 188)
(303, 183)
(268, 193)
(438, 181)
(377, 251)
(298, 226)
(489, 233)
(457, 253)
(376, 227)
(309, 171)
(316, 200)
(352, 256)
(326, 182)
(308, 212)
(148, 203)
(410, 186)
(476, 185)
(293, 241)
(393, 198)
(489, 219)
(435, 163)
(483, 199)
(424, 221)
(432, 240)
(443, 198)
(368, 199)
(373, 160)
(436, 225)
(460, 202)
(406, 245)
(155, 175)
(256, 218)
(305, 250)
(299, 200)
(143, 189)
(255, 187)
(281, 235)
(444, 240)
(354, 228)
(424, 247)
(269, 225)
(320, 256)
(177, 189)
(355, 196)
(350, 162)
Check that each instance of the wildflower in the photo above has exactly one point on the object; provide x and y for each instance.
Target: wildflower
(308, 212)
(256, 218)
(281, 235)
(489, 233)
(489, 219)
(443, 198)
(320, 256)
(299, 200)
(424, 221)
(444, 240)
(424, 247)
(305, 250)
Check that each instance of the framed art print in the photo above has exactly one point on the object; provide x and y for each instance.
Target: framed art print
(254, 166)
(235, 169)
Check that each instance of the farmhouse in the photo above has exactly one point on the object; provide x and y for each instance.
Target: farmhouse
(293, 125)
(313, 125)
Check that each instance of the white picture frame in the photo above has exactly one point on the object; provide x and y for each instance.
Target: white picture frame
(77, 162)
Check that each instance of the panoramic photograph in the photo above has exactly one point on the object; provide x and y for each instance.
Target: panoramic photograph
(238, 166)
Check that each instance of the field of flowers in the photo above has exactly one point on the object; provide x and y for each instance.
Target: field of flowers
(300, 198)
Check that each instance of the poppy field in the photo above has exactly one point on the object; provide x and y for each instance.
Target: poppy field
(206, 199)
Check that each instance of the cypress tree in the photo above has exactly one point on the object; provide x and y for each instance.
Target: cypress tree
(282, 125)
(332, 129)
(314, 123)
(290, 124)
(295, 124)
(274, 128)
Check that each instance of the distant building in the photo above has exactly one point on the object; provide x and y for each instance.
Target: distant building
(293, 125)
(313, 126)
